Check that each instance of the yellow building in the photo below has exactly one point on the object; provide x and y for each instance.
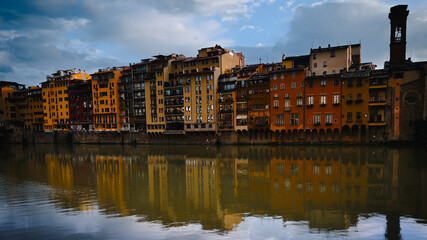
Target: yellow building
(199, 76)
(106, 99)
(8, 108)
(157, 74)
(55, 99)
(355, 109)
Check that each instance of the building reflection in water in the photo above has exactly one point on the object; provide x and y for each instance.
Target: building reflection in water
(328, 187)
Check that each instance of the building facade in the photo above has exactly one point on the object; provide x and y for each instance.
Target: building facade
(106, 106)
(55, 99)
(80, 105)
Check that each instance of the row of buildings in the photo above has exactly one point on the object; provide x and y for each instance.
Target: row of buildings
(328, 93)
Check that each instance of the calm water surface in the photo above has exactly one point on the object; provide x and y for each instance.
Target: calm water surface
(199, 192)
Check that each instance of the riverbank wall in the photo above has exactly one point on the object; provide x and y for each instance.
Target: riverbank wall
(190, 138)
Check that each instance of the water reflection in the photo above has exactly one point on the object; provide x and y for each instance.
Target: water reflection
(330, 188)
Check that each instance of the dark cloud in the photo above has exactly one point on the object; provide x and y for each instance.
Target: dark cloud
(340, 23)
(5, 69)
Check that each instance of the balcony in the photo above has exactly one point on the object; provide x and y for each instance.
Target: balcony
(376, 123)
(226, 100)
(175, 112)
(349, 101)
(373, 85)
(174, 93)
(310, 105)
(358, 101)
(377, 101)
(376, 120)
(226, 110)
(242, 110)
(174, 103)
(225, 125)
(242, 96)
(287, 109)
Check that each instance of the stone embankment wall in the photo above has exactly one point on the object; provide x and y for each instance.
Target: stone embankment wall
(17, 135)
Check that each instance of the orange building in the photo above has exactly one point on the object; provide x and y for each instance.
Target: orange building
(323, 107)
(259, 98)
(287, 99)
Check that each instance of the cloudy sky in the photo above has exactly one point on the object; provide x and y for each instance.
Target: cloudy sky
(38, 37)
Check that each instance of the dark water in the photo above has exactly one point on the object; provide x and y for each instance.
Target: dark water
(198, 192)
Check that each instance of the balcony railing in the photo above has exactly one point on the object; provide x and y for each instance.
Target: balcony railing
(376, 99)
(226, 110)
(287, 109)
(174, 112)
(226, 100)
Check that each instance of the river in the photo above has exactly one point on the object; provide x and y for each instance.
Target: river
(210, 192)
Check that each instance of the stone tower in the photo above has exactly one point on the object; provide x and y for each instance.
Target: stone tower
(398, 16)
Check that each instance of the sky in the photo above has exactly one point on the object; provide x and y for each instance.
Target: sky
(39, 37)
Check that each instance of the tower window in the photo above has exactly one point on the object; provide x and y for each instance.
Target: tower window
(398, 34)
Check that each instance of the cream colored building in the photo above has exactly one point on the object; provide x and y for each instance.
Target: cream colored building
(332, 60)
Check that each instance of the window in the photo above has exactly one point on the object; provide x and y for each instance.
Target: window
(310, 100)
(287, 104)
(349, 117)
(314, 56)
(282, 86)
(280, 120)
(336, 82)
(336, 99)
(323, 100)
(282, 75)
(309, 187)
(332, 53)
(294, 85)
(322, 187)
(329, 118)
(316, 169)
(280, 169)
(294, 169)
(310, 83)
(358, 116)
(299, 102)
(315, 65)
(294, 74)
(323, 82)
(316, 119)
(276, 104)
(274, 76)
(325, 64)
(294, 119)
(274, 87)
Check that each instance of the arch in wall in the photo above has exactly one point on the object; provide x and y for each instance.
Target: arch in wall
(301, 135)
(329, 135)
(322, 135)
(355, 132)
(295, 135)
(315, 135)
(345, 131)
(336, 134)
